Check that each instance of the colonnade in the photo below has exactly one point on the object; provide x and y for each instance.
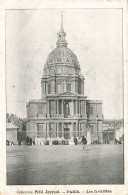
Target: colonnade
(75, 106)
(54, 87)
(58, 130)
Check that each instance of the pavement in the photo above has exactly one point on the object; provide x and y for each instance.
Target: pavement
(65, 164)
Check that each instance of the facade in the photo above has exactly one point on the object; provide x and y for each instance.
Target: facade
(63, 110)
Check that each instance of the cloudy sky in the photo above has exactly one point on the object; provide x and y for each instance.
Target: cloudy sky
(94, 35)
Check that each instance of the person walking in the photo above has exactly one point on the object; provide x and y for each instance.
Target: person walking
(30, 141)
(12, 143)
(84, 142)
(27, 140)
(75, 140)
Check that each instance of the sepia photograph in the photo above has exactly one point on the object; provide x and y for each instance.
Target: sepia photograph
(64, 96)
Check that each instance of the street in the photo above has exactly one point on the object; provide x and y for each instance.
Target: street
(64, 164)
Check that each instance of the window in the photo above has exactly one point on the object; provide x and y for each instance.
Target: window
(91, 110)
(76, 87)
(91, 127)
(68, 86)
(59, 88)
(52, 130)
(40, 110)
(59, 70)
(49, 88)
(41, 131)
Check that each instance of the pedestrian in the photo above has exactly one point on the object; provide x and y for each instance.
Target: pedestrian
(30, 141)
(84, 142)
(12, 143)
(116, 141)
(27, 140)
(75, 140)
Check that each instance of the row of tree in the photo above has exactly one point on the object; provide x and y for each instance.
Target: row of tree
(17, 121)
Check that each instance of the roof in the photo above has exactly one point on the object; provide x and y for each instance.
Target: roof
(11, 126)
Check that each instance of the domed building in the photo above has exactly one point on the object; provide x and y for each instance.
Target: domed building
(63, 110)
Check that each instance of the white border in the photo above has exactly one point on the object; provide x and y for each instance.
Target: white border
(39, 4)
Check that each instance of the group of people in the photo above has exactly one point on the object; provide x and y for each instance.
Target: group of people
(118, 141)
(8, 142)
(28, 141)
(95, 142)
(106, 141)
(83, 141)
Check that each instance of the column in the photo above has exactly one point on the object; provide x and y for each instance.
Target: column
(71, 130)
(79, 108)
(76, 106)
(83, 87)
(77, 129)
(54, 85)
(57, 129)
(48, 108)
(62, 130)
(85, 129)
(45, 87)
(72, 105)
(48, 130)
(62, 106)
(57, 106)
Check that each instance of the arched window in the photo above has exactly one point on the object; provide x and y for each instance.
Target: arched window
(69, 87)
(91, 110)
(91, 127)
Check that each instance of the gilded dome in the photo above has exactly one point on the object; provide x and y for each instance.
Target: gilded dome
(62, 55)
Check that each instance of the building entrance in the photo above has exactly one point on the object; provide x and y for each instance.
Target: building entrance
(66, 133)
(67, 128)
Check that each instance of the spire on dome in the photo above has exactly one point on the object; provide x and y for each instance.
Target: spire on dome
(61, 35)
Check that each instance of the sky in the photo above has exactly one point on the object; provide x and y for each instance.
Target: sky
(94, 35)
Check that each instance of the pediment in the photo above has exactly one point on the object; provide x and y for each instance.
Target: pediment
(67, 93)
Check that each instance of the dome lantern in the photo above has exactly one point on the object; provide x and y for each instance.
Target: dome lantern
(61, 41)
